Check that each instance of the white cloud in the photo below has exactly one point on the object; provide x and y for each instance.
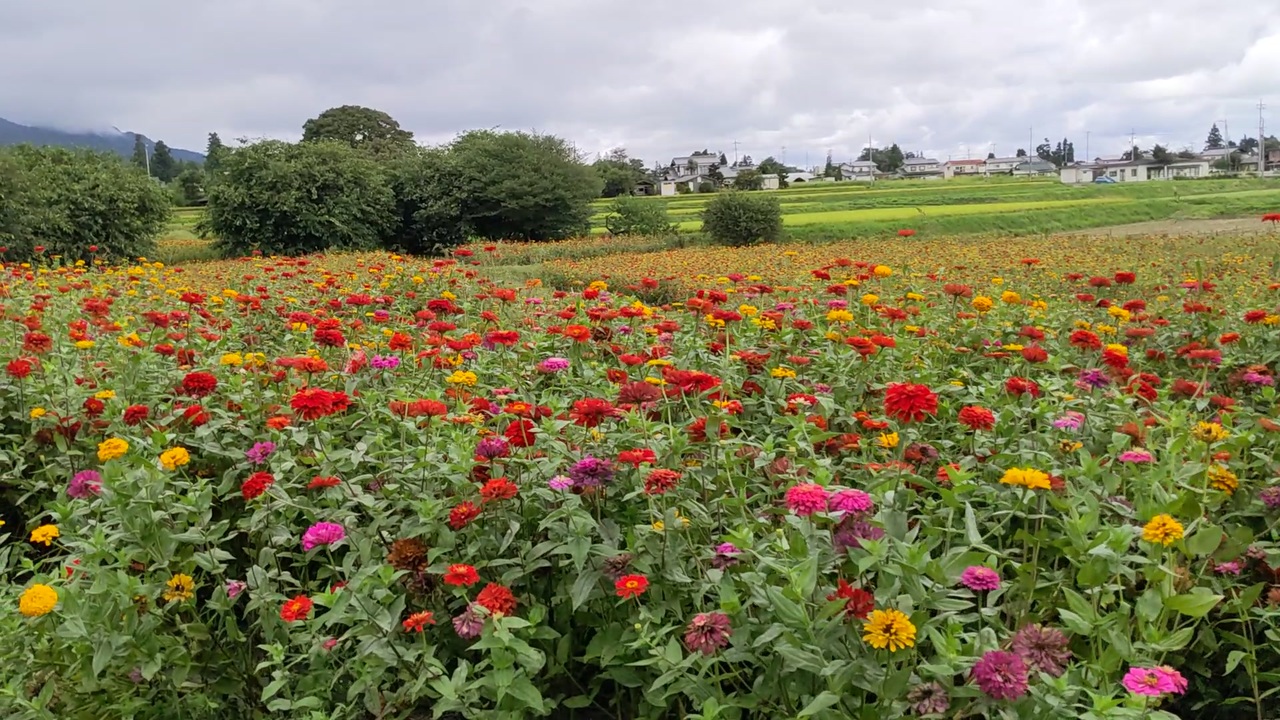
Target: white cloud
(660, 77)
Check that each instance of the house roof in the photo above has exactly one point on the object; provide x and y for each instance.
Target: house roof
(1015, 159)
(919, 161)
(684, 160)
(966, 162)
(1037, 164)
(858, 164)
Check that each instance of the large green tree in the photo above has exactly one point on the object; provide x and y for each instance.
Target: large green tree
(213, 153)
(618, 173)
(140, 158)
(1214, 141)
(427, 185)
(292, 199)
(76, 203)
(163, 167)
(523, 186)
(360, 127)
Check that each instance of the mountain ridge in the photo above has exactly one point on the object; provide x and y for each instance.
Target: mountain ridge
(121, 143)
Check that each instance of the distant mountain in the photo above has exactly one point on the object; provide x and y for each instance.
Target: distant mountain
(113, 140)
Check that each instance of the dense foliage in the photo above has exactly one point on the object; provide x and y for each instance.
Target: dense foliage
(361, 486)
(76, 204)
(739, 218)
(637, 216)
(362, 128)
(296, 198)
(427, 185)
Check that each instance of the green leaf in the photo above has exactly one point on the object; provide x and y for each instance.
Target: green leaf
(805, 577)
(1150, 604)
(1196, 603)
(102, 655)
(1233, 660)
(971, 526)
(1075, 623)
(524, 691)
(789, 612)
(1174, 642)
(582, 587)
(824, 700)
(1204, 541)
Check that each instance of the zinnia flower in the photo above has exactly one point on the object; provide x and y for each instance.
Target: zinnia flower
(890, 629)
(469, 623)
(1135, 456)
(591, 472)
(1026, 477)
(858, 603)
(260, 451)
(1162, 529)
(929, 699)
(37, 600)
(1002, 675)
(418, 621)
(322, 533)
(256, 484)
(179, 587)
(850, 501)
(461, 575)
(1154, 681)
(629, 586)
(235, 587)
(84, 484)
(806, 499)
(1043, 648)
(979, 578)
(707, 633)
(45, 535)
(112, 448)
(497, 599)
(296, 608)
(976, 418)
(909, 403)
(174, 458)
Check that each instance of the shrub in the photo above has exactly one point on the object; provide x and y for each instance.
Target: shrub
(292, 199)
(633, 216)
(736, 218)
(706, 187)
(523, 186)
(428, 202)
(749, 180)
(68, 201)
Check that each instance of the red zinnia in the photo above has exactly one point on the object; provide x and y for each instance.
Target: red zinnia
(498, 489)
(1021, 386)
(590, 412)
(199, 384)
(462, 514)
(296, 608)
(418, 621)
(858, 603)
(636, 457)
(629, 586)
(461, 575)
(135, 414)
(909, 403)
(320, 482)
(19, 368)
(315, 403)
(256, 484)
(660, 481)
(520, 433)
(1034, 354)
(329, 337)
(977, 418)
(497, 599)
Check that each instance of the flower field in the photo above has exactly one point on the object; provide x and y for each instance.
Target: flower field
(882, 478)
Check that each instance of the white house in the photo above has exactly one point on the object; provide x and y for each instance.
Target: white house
(1076, 173)
(953, 168)
(919, 167)
(672, 186)
(1140, 170)
(1003, 165)
(863, 170)
(696, 164)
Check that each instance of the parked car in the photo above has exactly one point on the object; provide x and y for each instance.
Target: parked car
(1104, 179)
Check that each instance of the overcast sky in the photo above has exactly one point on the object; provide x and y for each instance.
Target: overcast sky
(659, 77)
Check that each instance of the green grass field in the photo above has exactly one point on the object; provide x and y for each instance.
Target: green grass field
(820, 212)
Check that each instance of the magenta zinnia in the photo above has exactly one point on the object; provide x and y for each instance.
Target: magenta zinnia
(1001, 675)
(322, 533)
(806, 499)
(707, 632)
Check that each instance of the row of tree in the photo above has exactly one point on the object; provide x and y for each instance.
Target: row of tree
(358, 180)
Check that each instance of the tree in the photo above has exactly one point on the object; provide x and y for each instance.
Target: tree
(748, 179)
(1021, 153)
(770, 166)
(991, 156)
(1161, 155)
(724, 161)
(738, 218)
(191, 186)
(1248, 145)
(427, 185)
(292, 199)
(163, 166)
(830, 170)
(893, 158)
(213, 153)
(746, 160)
(1214, 141)
(714, 173)
(618, 174)
(522, 185)
(140, 158)
(1044, 151)
(71, 200)
(1134, 153)
(360, 127)
(1187, 154)
(1061, 154)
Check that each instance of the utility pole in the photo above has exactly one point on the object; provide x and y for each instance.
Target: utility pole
(1030, 142)
(1132, 140)
(871, 158)
(1262, 142)
(735, 153)
(784, 156)
(1086, 146)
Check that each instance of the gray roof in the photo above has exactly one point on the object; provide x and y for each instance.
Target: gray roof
(1037, 164)
(919, 161)
(1007, 159)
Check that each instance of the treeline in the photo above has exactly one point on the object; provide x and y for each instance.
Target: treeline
(357, 180)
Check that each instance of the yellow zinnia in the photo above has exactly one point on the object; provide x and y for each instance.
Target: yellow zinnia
(180, 587)
(982, 303)
(887, 440)
(1220, 478)
(1162, 529)
(174, 458)
(1210, 432)
(462, 377)
(839, 316)
(45, 534)
(782, 372)
(1026, 477)
(112, 448)
(37, 600)
(890, 629)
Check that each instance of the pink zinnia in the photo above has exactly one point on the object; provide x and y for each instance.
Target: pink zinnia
(1154, 681)
(851, 501)
(322, 533)
(1135, 456)
(1001, 675)
(806, 498)
(977, 577)
(707, 632)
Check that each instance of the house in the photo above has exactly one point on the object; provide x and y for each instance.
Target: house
(1034, 168)
(801, 176)
(919, 167)
(863, 170)
(645, 187)
(1140, 170)
(696, 164)
(685, 183)
(952, 168)
(1003, 165)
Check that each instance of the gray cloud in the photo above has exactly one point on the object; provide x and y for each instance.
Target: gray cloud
(660, 77)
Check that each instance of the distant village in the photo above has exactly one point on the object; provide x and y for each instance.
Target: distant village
(706, 171)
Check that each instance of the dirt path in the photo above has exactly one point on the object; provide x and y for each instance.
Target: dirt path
(1214, 226)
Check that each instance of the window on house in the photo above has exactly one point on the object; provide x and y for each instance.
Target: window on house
(1133, 172)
